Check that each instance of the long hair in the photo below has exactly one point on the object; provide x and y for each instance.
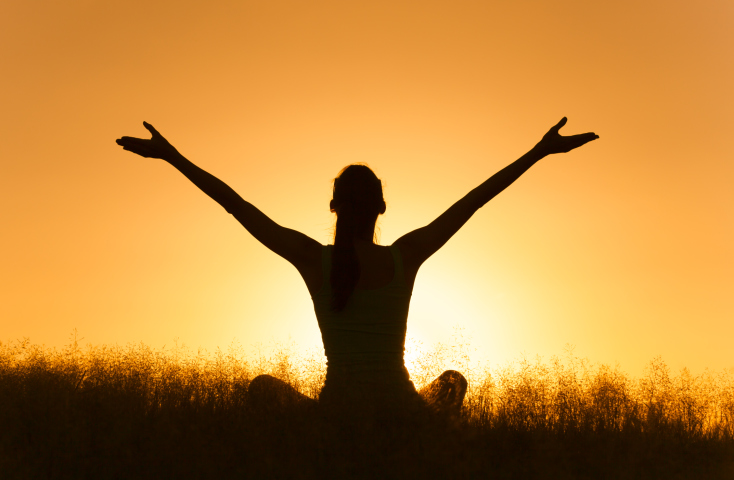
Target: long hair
(357, 201)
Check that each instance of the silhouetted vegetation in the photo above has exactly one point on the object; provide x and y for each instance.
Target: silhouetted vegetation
(133, 412)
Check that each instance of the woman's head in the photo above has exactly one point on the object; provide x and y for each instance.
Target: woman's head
(358, 188)
(357, 201)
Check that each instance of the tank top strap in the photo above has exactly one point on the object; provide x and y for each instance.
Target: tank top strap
(326, 263)
(398, 261)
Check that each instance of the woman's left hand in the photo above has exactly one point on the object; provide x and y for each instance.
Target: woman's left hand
(155, 147)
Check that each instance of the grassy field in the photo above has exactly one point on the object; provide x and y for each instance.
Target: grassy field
(133, 412)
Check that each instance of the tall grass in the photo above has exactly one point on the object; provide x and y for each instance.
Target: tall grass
(111, 411)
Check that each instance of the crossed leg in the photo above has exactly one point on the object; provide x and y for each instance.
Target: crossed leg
(268, 395)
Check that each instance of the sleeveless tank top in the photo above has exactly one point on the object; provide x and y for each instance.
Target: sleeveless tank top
(364, 343)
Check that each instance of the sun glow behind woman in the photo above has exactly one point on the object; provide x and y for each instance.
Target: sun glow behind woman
(626, 253)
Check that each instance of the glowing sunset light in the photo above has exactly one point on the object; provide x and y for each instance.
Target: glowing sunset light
(622, 248)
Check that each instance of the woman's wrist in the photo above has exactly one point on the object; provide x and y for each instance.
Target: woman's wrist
(175, 158)
(538, 152)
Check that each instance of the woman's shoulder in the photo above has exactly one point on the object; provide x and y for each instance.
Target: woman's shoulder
(407, 259)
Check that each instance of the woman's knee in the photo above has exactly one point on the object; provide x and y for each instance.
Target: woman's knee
(267, 393)
(452, 377)
(265, 390)
(263, 383)
(446, 393)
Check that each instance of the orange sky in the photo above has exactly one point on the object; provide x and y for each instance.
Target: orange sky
(622, 248)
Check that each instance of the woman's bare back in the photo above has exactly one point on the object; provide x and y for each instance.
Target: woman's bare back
(376, 268)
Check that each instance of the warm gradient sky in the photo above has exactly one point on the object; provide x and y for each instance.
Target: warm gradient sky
(624, 248)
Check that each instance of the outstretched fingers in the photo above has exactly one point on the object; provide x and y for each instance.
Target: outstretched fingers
(130, 141)
(582, 139)
(135, 145)
(586, 136)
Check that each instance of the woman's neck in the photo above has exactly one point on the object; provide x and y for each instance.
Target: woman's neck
(363, 242)
(364, 233)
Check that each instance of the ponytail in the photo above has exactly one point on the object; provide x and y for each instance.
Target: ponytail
(358, 199)
(344, 263)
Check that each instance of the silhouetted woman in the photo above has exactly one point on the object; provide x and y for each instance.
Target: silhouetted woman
(360, 290)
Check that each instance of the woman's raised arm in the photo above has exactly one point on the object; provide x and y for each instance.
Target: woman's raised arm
(294, 246)
(418, 245)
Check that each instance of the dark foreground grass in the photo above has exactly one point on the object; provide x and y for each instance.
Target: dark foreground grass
(132, 412)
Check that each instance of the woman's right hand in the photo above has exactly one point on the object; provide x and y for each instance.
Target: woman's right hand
(554, 142)
(155, 147)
